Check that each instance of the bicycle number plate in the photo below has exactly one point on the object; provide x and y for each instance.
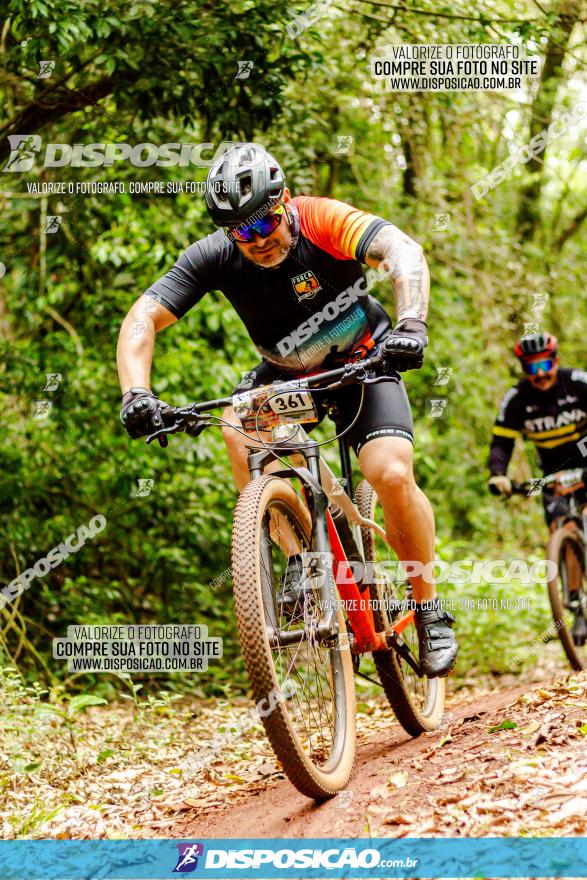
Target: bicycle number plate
(294, 406)
(263, 408)
(569, 481)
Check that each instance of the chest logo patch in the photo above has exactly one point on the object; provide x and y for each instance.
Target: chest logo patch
(306, 285)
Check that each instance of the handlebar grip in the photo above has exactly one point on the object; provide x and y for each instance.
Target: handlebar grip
(519, 488)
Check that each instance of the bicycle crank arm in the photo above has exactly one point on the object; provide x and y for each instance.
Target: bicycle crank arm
(397, 644)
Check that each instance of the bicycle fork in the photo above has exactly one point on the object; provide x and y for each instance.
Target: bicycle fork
(309, 473)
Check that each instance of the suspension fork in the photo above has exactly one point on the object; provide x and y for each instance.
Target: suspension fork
(347, 471)
(317, 501)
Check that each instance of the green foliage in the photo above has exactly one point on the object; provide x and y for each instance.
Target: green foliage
(506, 724)
(156, 60)
(165, 73)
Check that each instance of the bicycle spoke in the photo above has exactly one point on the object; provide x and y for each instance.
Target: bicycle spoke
(308, 663)
(399, 590)
(416, 700)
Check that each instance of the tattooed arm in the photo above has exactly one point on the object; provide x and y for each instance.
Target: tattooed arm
(403, 259)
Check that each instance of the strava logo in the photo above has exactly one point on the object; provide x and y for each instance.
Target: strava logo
(187, 860)
(306, 285)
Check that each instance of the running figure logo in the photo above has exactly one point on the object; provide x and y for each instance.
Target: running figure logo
(187, 860)
(535, 486)
(23, 149)
(244, 69)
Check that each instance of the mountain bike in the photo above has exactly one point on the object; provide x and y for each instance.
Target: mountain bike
(301, 650)
(567, 548)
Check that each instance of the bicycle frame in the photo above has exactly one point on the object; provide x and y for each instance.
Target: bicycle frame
(320, 485)
(578, 515)
(565, 484)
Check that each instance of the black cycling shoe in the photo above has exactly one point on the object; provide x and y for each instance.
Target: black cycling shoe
(579, 630)
(290, 599)
(438, 645)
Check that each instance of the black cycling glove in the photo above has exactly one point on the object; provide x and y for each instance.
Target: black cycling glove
(404, 347)
(247, 382)
(142, 412)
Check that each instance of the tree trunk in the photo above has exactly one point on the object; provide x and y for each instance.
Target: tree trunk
(573, 226)
(410, 175)
(412, 133)
(568, 12)
(38, 115)
(332, 181)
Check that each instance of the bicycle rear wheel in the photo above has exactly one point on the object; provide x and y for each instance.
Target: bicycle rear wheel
(305, 691)
(566, 591)
(418, 703)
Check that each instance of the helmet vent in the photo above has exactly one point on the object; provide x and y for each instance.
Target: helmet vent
(245, 179)
(536, 344)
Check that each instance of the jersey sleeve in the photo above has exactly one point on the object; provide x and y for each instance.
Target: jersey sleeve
(195, 273)
(508, 426)
(339, 229)
(579, 381)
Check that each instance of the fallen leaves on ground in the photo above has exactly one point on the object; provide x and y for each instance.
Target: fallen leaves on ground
(137, 775)
(129, 776)
(526, 776)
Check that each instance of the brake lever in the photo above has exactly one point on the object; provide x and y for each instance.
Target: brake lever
(178, 427)
(395, 377)
(160, 435)
(355, 374)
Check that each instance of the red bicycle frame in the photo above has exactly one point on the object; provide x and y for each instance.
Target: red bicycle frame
(357, 603)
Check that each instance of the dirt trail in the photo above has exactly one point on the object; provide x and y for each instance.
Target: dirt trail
(463, 780)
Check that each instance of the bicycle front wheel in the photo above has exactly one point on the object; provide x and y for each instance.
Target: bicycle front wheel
(304, 690)
(566, 591)
(418, 703)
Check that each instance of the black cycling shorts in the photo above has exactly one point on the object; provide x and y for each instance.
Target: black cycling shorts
(385, 411)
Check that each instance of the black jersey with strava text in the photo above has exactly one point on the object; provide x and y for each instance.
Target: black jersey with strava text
(330, 242)
(554, 420)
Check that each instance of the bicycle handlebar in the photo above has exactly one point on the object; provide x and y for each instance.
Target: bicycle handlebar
(566, 479)
(345, 375)
(523, 488)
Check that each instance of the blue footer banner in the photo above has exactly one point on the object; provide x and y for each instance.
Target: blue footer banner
(306, 858)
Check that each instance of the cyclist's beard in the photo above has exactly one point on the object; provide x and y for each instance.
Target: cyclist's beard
(544, 383)
(279, 256)
(282, 253)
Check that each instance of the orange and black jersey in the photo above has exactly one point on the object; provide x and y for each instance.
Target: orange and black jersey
(554, 420)
(330, 242)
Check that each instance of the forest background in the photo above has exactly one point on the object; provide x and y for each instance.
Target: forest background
(169, 72)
